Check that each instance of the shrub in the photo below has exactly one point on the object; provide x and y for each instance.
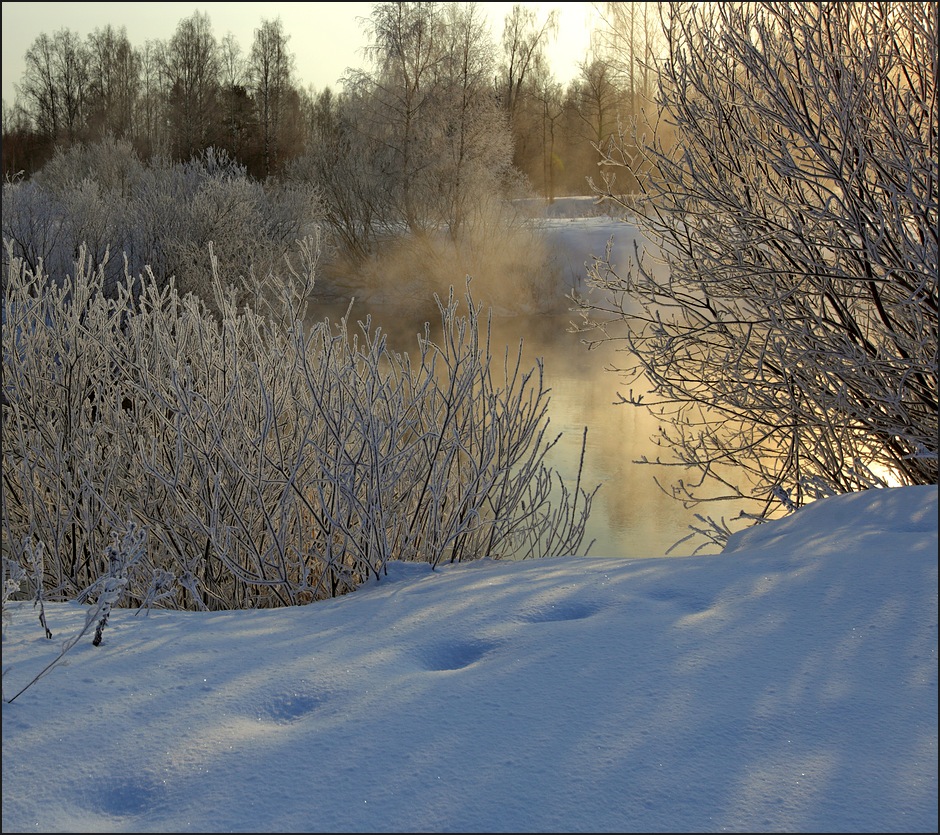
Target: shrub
(160, 216)
(270, 463)
(791, 340)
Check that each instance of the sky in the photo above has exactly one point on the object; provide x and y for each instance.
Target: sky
(786, 684)
(326, 38)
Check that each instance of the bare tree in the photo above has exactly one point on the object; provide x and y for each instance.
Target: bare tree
(524, 42)
(549, 98)
(399, 99)
(150, 130)
(475, 146)
(615, 87)
(236, 103)
(523, 71)
(270, 70)
(629, 42)
(113, 82)
(190, 63)
(71, 61)
(790, 338)
(598, 100)
(38, 91)
(427, 113)
(54, 85)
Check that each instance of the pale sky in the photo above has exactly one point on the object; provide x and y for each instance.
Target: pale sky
(326, 38)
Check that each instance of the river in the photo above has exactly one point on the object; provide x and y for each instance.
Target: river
(631, 516)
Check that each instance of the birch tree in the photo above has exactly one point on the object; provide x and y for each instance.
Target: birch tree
(400, 99)
(475, 146)
(434, 135)
(523, 71)
(114, 82)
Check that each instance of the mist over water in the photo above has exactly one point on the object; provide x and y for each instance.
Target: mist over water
(630, 515)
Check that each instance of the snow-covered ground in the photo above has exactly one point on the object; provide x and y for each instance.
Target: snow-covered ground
(787, 684)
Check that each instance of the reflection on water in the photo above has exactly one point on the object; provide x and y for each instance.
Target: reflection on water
(630, 516)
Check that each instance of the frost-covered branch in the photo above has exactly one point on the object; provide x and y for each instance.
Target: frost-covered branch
(784, 314)
(270, 462)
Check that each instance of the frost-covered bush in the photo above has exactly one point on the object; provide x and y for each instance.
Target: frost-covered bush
(790, 338)
(269, 463)
(160, 216)
(82, 196)
(110, 162)
(181, 208)
(32, 224)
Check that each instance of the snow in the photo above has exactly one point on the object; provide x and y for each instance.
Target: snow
(786, 684)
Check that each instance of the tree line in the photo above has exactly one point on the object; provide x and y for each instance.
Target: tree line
(435, 67)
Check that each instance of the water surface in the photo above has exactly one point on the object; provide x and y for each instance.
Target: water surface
(631, 516)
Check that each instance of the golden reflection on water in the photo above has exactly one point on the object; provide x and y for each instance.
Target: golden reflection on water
(631, 516)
